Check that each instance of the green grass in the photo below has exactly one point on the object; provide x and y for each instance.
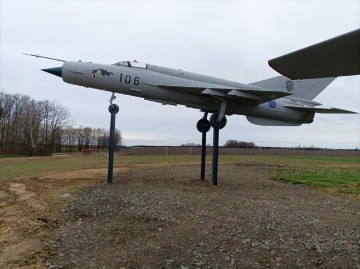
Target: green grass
(326, 177)
(335, 173)
(74, 191)
(308, 160)
(11, 168)
(50, 209)
(23, 167)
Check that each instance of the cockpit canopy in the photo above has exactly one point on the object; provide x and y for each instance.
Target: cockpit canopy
(132, 64)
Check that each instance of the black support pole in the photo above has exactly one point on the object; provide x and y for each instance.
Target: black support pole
(113, 109)
(203, 126)
(203, 154)
(215, 157)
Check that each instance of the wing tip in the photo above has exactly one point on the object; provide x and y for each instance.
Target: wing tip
(281, 72)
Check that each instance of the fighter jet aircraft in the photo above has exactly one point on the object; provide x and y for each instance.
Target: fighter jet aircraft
(277, 101)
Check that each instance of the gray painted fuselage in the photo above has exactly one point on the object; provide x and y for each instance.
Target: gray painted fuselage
(147, 83)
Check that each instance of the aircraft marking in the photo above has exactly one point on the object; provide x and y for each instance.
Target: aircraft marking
(289, 85)
(272, 104)
(127, 79)
(102, 71)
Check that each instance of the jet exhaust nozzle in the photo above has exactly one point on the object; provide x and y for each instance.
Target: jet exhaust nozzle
(56, 71)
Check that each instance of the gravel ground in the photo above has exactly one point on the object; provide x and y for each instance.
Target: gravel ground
(165, 217)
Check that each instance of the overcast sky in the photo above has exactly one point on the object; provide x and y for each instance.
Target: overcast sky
(226, 39)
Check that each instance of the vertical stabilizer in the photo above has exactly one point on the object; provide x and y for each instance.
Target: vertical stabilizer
(306, 88)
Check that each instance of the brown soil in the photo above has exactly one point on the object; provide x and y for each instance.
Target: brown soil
(165, 217)
(31, 209)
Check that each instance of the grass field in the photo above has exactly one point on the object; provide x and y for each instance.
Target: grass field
(336, 174)
(332, 173)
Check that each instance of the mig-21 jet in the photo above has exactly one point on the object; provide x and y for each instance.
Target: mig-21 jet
(277, 101)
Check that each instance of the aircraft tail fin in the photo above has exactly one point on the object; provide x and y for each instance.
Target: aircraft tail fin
(305, 89)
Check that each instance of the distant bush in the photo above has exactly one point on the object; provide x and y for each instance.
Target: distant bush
(239, 144)
(190, 145)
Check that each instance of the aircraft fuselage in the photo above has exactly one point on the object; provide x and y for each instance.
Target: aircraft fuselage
(147, 83)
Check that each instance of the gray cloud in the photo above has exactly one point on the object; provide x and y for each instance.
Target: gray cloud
(227, 39)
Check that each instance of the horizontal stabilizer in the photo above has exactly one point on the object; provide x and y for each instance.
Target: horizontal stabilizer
(324, 110)
(300, 101)
(267, 122)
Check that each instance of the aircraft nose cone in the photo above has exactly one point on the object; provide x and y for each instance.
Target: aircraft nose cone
(57, 71)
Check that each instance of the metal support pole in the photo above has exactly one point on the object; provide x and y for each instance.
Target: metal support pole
(203, 155)
(113, 109)
(215, 157)
(203, 126)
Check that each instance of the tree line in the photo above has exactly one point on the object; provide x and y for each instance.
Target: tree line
(29, 127)
(239, 144)
(230, 143)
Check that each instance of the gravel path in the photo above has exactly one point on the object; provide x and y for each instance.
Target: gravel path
(165, 217)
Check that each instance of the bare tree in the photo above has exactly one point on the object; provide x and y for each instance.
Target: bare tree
(118, 138)
(59, 116)
(6, 106)
(87, 137)
(30, 127)
(31, 121)
(80, 138)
